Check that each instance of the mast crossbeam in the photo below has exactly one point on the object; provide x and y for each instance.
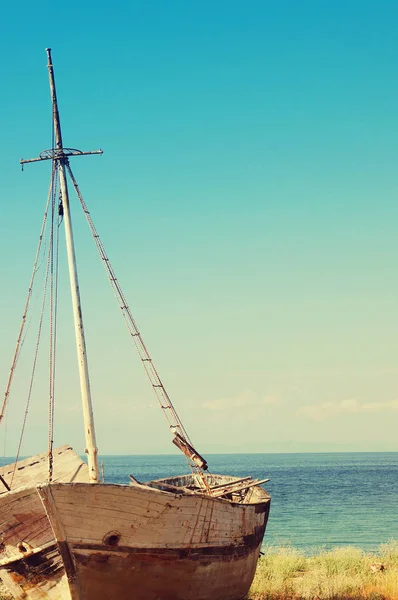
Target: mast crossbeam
(57, 154)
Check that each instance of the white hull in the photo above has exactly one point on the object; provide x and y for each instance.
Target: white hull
(113, 542)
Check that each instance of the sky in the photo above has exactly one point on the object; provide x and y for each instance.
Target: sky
(247, 198)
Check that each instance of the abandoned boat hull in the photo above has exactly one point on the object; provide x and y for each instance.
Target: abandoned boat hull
(79, 541)
(164, 546)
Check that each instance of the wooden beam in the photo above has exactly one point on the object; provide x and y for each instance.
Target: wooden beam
(238, 488)
(3, 481)
(223, 485)
(45, 493)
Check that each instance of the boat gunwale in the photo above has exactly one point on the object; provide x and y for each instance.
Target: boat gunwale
(265, 500)
(266, 496)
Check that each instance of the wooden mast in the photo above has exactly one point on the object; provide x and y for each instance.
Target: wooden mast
(62, 161)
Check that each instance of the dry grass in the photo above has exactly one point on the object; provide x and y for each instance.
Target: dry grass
(342, 574)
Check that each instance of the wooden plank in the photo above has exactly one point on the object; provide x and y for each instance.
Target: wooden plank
(183, 545)
(22, 520)
(167, 487)
(67, 466)
(5, 483)
(60, 538)
(90, 512)
(238, 488)
(220, 485)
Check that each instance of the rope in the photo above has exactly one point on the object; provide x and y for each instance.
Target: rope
(164, 400)
(5, 436)
(27, 303)
(34, 362)
(132, 326)
(53, 316)
(53, 303)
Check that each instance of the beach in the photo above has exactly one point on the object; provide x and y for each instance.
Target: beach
(328, 523)
(345, 573)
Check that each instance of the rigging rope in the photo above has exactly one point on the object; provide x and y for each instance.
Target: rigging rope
(5, 435)
(27, 303)
(53, 327)
(52, 319)
(52, 275)
(34, 362)
(164, 400)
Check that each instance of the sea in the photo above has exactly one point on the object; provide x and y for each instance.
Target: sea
(319, 501)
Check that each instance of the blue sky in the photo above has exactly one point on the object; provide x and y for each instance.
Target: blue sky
(247, 197)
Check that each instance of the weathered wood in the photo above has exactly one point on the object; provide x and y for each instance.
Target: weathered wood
(231, 489)
(40, 576)
(170, 488)
(147, 517)
(67, 466)
(11, 586)
(5, 483)
(220, 485)
(27, 559)
(22, 521)
(134, 480)
(113, 539)
(60, 537)
(150, 544)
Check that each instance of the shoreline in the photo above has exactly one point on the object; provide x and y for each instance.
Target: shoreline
(345, 573)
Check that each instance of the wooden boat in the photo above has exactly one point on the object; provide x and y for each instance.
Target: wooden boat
(65, 535)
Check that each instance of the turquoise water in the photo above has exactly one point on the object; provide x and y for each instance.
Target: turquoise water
(318, 500)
